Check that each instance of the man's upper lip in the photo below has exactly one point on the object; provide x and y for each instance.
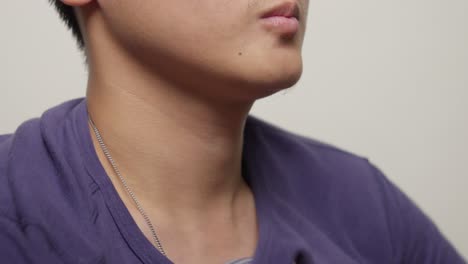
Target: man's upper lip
(286, 9)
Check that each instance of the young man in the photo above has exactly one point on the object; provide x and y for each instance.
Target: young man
(162, 163)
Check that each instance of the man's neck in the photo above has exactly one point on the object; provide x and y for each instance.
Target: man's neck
(174, 150)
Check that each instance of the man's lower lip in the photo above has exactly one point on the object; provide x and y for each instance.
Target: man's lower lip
(281, 24)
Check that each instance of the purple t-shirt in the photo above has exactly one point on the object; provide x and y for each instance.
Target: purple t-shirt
(315, 202)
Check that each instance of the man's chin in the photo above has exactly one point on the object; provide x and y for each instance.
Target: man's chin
(264, 89)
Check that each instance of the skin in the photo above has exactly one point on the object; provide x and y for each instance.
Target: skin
(170, 86)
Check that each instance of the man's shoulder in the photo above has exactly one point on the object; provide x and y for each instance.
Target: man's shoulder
(32, 135)
(19, 144)
(16, 150)
(317, 171)
(32, 157)
(351, 199)
(308, 150)
(337, 190)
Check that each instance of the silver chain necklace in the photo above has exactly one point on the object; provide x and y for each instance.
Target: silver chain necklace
(129, 191)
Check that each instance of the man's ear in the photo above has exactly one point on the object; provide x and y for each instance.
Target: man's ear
(76, 2)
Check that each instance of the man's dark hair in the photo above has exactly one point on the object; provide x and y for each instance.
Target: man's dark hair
(68, 16)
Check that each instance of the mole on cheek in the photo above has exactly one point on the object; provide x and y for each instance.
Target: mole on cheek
(240, 53)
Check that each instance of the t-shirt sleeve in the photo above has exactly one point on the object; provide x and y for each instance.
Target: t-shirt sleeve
(416, 239)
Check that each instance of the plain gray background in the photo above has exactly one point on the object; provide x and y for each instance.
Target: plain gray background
(386, 80)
